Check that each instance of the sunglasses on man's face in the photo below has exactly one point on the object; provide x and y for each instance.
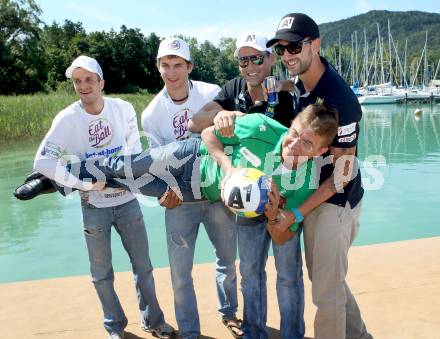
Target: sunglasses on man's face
(255, 59)
(292, 47)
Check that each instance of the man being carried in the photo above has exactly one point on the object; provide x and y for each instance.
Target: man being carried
(197, 168)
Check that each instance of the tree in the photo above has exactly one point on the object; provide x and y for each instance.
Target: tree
(226, 66)
(61, 45)
(23, 66)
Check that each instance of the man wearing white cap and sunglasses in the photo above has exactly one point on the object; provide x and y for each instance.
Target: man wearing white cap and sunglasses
(165, 120)
(246, 95)
(98, 126)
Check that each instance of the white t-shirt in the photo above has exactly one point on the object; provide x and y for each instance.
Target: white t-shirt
(76, 135)
(165, 122)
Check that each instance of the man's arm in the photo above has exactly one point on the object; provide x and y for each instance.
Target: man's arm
(214, 114)
(216, 149)
(344, 164)
(343, 160)
(53, 147)
(204, 118)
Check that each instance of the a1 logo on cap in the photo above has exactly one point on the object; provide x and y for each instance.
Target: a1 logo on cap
(250, 37)
(286, 23)
(174, 44)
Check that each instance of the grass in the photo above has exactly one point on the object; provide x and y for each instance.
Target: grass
(27, 117)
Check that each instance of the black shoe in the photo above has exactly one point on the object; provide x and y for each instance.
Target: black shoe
(34, 185)
(32, 176)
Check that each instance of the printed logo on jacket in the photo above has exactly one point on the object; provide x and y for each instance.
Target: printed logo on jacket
(100, 133)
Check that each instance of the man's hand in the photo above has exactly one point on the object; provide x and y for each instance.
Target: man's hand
(224, 122)
(278, 236)
(98, 186)
(228, 173)
(170, 199)
(280, 86)
(285, 86)
(271, 208)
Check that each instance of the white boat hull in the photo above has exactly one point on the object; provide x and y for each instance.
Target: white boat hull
(380, 99)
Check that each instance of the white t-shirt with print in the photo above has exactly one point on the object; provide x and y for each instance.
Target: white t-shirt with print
(165, 122)
(76, 135)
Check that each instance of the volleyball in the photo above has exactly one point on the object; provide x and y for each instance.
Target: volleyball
(245, 192)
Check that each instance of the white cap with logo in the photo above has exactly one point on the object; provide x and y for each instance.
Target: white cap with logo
(86, 62)
(174, 46)
(254, 40)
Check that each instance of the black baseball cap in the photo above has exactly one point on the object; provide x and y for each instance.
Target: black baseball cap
(294, 27)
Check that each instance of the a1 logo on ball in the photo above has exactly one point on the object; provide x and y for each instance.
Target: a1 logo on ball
(245, 192)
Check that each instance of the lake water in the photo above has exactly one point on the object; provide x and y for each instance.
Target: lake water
(43, 238)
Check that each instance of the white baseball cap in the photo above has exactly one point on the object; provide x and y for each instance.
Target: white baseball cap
(174, 46)
(254, 40)
(86, 62)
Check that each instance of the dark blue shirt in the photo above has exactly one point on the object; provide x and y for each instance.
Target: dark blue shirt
(334, 91)
(234, 96)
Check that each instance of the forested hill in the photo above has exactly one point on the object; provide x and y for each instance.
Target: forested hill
(35, 54)
(411, 26)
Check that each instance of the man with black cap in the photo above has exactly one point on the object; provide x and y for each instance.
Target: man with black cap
(332, 212)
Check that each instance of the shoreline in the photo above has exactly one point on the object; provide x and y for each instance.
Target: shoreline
(397, 286)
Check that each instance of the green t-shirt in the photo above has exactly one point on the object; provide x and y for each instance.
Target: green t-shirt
(257, 143)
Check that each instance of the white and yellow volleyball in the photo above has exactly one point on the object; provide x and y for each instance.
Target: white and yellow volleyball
(245, 192)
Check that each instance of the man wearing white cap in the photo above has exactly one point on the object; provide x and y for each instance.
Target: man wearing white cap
(245, 95)
(98, 126)
(165, 120)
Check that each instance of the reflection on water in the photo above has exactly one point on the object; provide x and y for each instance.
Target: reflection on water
(399, 134)
(43, 238)
(406, 206)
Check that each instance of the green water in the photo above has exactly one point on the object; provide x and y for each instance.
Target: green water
(42, 238)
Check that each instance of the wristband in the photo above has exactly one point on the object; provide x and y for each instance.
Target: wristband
(298, 216)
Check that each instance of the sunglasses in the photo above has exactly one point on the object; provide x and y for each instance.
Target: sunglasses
(292, 47)
(257, 60)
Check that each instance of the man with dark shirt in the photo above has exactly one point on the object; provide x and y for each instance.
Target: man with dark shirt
(332, 212)
(237, 97)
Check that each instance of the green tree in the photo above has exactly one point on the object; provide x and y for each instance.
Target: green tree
(153, 77)
(61, 45)
(23, 66)
(226, 67)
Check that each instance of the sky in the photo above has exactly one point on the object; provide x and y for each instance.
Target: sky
(211, 19)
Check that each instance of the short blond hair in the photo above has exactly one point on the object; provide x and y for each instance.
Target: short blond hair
(322, 119)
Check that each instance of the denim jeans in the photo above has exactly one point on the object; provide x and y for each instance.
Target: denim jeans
(150, 172)
(182, 226)
(253, 246)
(128, 222)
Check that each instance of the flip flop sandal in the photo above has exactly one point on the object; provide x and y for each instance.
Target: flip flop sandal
(232, 325)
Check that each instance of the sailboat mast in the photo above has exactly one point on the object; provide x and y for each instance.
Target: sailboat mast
(380, 55)
(389, 52)
(425, 71)
(366, 58)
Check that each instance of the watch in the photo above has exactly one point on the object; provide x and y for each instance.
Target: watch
(298, 216)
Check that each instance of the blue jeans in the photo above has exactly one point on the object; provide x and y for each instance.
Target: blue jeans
(182, 226)
(128, 222)
(150, 172)
(253, 246)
